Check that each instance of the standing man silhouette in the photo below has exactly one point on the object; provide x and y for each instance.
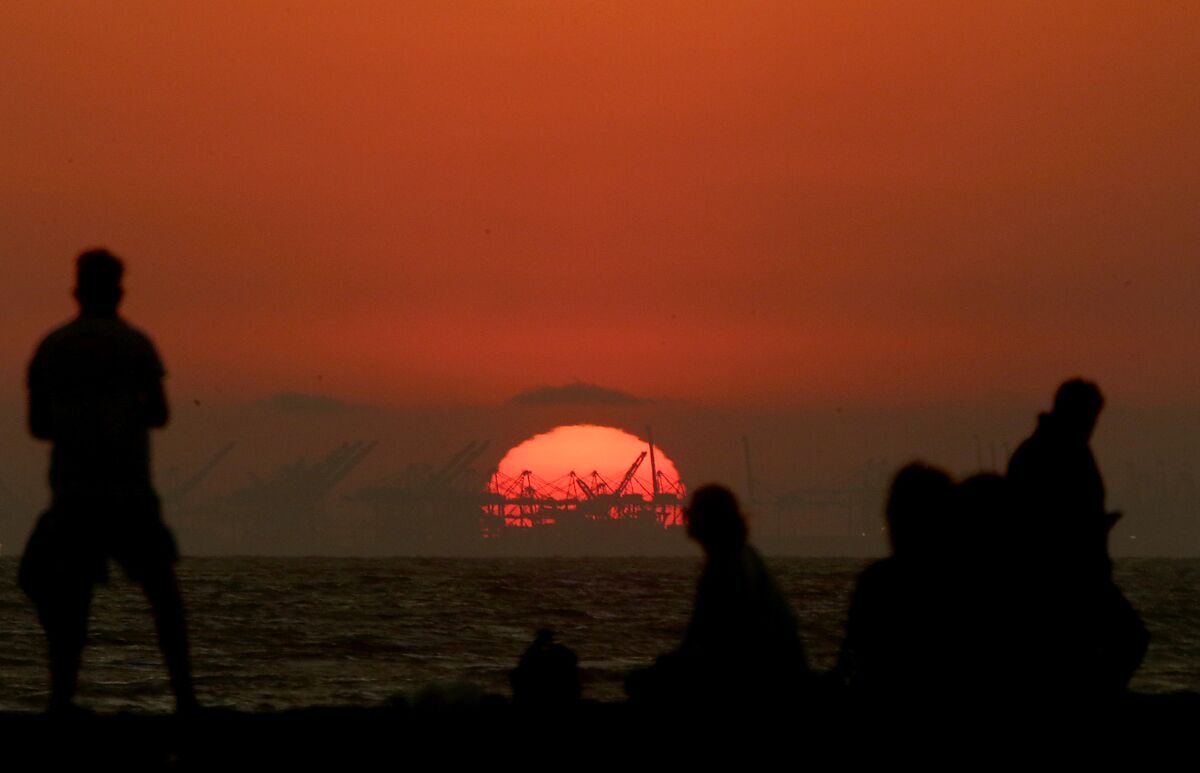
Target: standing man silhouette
(95, 391)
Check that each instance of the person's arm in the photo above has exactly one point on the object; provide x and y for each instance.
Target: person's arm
(154, 404)
(152, 395)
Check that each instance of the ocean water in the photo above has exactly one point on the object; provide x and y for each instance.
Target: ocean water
(274, 633)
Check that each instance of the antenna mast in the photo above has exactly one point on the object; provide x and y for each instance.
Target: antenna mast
(653, 465)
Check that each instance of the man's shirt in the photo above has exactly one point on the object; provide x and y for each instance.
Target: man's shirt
(93, 379)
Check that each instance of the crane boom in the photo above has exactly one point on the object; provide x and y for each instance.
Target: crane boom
(583, 487)
(633, 468)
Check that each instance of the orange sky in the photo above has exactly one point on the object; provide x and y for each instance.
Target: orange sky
(748, 202)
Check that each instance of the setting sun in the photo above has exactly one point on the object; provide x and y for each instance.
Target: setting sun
(599, 473)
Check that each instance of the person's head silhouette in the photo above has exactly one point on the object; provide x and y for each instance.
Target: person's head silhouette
(714, 519)
(1077, 406)
(98, 282)
(917, 508)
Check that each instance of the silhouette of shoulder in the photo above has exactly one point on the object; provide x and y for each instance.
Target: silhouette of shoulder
(95, 347)
(739, 606)
(876, 618)
(1054, 471)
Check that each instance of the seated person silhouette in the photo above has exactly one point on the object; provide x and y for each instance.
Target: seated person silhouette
(995, 595)
(1091, 639)
(742, 646)
(1055, 477)
(547, 677)
(95, 390)
(899, 625)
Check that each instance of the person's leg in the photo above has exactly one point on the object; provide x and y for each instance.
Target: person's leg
(166, 604)
(63, 611)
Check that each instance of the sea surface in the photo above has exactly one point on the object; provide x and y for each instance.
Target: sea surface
(277, 633)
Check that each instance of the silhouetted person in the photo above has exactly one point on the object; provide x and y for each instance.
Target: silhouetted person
(1055, 477)
(1091, 638)
(547, 676)
(95, 390)
(901, 637)
(999, 652)
(742, 644)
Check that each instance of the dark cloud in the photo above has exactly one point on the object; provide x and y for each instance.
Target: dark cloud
(298, 402)
(578, 393)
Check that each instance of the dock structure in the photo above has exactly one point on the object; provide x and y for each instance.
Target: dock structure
(527, 500)
(453, 505)
(281, 513)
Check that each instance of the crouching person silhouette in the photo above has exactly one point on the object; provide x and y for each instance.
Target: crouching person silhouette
(742, 650)
(95, 391)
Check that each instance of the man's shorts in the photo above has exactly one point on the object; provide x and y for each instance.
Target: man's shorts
(73, 542)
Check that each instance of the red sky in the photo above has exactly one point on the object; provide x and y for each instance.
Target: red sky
(762, 203)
